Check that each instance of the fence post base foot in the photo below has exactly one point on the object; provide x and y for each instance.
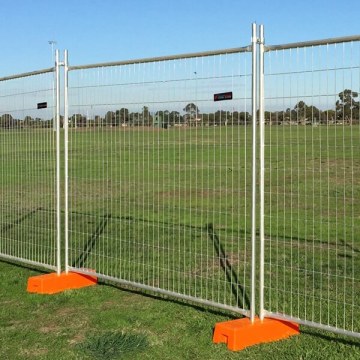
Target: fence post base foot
(54, 283)
(241, 333)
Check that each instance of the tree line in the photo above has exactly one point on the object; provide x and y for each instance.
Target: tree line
(346, 111)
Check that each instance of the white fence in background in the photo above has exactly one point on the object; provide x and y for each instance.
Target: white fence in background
(160, 175)
(28, 204)
(161, 186)
(311, 184)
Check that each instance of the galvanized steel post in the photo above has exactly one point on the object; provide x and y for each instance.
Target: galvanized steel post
(253, 197)
(58, 179)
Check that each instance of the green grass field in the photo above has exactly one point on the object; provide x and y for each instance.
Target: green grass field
(171, 209)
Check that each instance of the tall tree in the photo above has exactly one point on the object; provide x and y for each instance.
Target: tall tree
(146, 116)
(110, 118)
(7, 121)
(192, 112)
(347, 108)
(300, 109)
(174, 118)
(122, 116)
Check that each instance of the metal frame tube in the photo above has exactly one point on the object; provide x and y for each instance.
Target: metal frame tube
(313, 43)
(164, 58)
(18, 260)
(312, 324)
(162, 291)
(262, 168)
(27, 74)
(66, 160)
(253, 201)
(58, 178)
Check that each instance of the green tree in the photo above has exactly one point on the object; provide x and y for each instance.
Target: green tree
(77, 120)
(110, 118)
(300, 109)
(191, 113)
(174, 117)
(7, 121)
(122, 116)
(28, 121)
(146, 116)
(347, 108)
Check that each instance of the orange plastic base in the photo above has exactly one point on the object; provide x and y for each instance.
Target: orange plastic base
(54, 283)
(241, 333)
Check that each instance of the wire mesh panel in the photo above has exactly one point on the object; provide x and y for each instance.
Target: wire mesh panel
(312, 185)
(27, 163)
(160, 175)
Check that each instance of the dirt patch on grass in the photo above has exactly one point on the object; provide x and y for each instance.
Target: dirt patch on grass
(65, 311)
(33, 353)
(78, 338)
(108, 305)
(50, 328)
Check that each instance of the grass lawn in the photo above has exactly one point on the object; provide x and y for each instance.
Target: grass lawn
(171, 209)
(62, 326)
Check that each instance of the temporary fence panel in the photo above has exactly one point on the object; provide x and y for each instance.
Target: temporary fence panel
(311, 179)
(160, 174)
(28, 203)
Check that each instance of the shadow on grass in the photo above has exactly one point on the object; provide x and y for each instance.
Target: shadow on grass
(330, 337)
(24, 266)
(19, 220)
(11, 225)
(89, 245)
(238, 291)
(287, 238)
(154, 296)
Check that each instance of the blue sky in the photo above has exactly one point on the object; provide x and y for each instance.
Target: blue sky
(108, 30)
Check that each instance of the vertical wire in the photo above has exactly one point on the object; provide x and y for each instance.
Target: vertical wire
(194, 175)
(244, 159)
(58, 179)
(262, 169)
(253, 210)
(123, 222)
(277, 193)
(205, 190)
(328, 195)
(123, 184)
(222, 154)
(187, 251)
(152, 183)
(102, 171)
(344, 190)
(284, 207)
(179, 135)
(321, 170)
(226, 214)
(108, 141)
(162, 144)
(270, 197)
(233, 191)
(298, 176)
(216, 145)
(291, 72)
(190, 189)
(306, 220)
(66, 162)
(144, 172)
(353, 305)
(312, 72)
(336, 182)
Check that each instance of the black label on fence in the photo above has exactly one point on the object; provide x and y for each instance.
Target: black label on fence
(42, 105)
(223, 96)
